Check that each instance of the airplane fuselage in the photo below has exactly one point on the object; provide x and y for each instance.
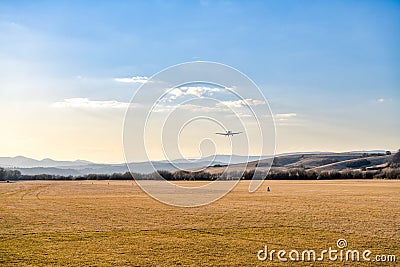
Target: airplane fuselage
(229, 133)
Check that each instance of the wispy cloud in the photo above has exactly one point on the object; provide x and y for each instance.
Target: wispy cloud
(87, 103)
(241, 103)
(201, 92)
(285, 115)
(280, 118)
(187, 108)
(198, 91)
(380, 100)
(288, 124)
(287, 119)
(135, 79)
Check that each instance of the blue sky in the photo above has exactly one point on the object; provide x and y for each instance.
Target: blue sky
(334, 64)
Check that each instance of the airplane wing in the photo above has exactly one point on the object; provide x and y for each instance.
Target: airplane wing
(237, 133)
(221, 133)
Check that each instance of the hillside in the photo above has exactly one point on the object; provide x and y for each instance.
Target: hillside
(317, 162)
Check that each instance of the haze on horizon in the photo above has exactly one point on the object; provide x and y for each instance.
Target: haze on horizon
(329, 70)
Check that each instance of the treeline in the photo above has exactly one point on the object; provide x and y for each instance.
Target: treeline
(15, 175)
(302, 174)
(291, 174)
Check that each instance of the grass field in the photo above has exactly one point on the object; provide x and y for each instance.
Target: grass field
(116, 224)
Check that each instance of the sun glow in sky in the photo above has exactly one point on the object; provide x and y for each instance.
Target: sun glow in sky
(330, 70)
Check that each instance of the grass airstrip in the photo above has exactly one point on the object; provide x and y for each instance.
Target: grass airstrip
(113, 223)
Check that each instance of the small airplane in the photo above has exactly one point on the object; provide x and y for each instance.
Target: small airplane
(229, 133)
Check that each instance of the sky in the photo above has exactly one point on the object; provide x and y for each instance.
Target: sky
(330, 70)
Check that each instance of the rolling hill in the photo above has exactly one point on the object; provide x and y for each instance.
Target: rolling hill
(317, 162)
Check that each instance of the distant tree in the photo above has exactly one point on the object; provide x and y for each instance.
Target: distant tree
(391, 173)
(368, 174)
(248, 175)
(12, 174)
(323, 175)
(2, 174)
(311, 175)
(166, 175)
(297, 174)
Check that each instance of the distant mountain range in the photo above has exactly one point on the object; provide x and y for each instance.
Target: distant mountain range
(30, 166)
(24, 162)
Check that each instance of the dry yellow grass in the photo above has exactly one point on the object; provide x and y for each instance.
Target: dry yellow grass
(116, 224)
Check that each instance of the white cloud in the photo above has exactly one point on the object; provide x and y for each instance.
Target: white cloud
(186, 107)
(198, 91)
(241, 103)
(175, 93)
(87, 103)
(222, 106)
(380, 100)
(136, 79)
